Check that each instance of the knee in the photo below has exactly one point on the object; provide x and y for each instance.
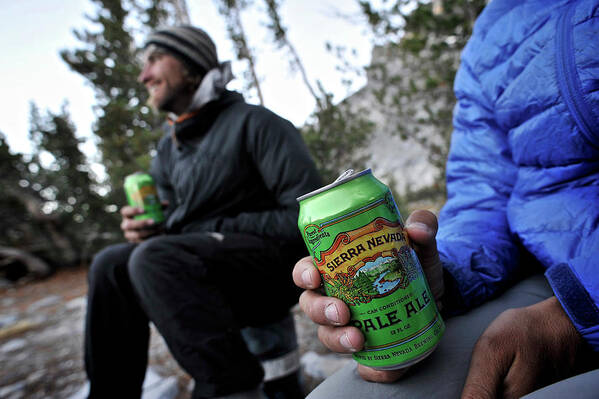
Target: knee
(107, 263)
(148, 257)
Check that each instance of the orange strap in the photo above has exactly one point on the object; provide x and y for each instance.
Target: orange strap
(183, 117)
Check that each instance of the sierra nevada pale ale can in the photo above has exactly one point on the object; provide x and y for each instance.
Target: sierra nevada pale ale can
(141, 193)
(358, 243)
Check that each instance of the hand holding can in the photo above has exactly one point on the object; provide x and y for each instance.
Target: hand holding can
(143, 216)
(358, 242)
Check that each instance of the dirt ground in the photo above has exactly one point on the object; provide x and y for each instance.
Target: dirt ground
(41, 336)
(41, 341)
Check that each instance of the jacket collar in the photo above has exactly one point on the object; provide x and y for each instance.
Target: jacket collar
(196, 123)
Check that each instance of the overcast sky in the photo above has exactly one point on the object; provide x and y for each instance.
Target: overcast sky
(32, 33)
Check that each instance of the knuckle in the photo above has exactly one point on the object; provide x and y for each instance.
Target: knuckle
(477, 391)
(296, 275)
(300, 267)
(489, 343)
(329, 336)
(305, 302)
(323, 337)
(510, 313)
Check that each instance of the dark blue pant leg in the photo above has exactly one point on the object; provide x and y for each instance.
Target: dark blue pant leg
(198, 290)
(116, 328)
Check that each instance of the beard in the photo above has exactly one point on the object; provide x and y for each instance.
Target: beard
(172, 98)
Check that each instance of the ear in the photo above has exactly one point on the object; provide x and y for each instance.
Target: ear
(193, 82)
(196, 79)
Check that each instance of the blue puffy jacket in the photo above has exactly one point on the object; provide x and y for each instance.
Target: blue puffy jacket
(523, 169)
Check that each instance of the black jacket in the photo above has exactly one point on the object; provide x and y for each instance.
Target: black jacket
(234, 167)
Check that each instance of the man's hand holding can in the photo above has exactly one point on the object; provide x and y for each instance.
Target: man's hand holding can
(333, 314)
(137, 230)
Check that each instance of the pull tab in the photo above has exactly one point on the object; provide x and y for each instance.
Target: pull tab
(344, 175)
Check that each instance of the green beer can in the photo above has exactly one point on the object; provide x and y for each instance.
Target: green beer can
(356, 237)
(141, 192)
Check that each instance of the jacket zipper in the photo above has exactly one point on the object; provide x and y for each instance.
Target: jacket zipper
(569, 81)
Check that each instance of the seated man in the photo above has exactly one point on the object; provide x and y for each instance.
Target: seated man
(523, 195)
(230, 173)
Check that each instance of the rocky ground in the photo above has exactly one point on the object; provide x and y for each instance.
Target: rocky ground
(41, 340)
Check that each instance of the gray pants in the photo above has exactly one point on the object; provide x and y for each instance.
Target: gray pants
(443, 373)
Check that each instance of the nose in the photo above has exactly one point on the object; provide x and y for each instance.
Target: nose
(144, 75)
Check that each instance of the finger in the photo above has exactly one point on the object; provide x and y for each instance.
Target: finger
(131, 224)
(130, 211)
(132, 236)
(323, 309)
(522, 377)
(138, 236)
(341, 339)
(384, 376)
(305, 274)
(488, 366)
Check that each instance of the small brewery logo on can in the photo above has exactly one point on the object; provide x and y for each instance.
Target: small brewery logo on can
(141, 192)
(357, 240)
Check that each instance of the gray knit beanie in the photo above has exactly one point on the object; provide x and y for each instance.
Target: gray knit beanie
(191, 45)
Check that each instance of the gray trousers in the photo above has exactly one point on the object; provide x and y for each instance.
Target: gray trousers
(443, 373)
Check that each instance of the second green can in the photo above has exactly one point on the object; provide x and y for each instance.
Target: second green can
(356, 237)
(141, 193)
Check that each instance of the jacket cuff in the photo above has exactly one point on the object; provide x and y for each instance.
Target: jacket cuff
(453, 303)
(575, 300)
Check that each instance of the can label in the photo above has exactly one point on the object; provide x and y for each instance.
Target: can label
(365, 259)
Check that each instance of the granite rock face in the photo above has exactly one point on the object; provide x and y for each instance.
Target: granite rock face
(398, 158)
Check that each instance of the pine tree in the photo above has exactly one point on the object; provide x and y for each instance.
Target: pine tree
(81, 224)
(22, 242)
(109, 59)
(18, 200)
(50, 212)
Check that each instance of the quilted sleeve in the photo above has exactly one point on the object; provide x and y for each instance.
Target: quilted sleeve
(479, 253)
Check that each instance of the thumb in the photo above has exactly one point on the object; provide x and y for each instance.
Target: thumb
(421, 227)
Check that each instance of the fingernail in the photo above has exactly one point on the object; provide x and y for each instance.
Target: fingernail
(346, 343)
(331, 313)
(419, 226)
(306, 278)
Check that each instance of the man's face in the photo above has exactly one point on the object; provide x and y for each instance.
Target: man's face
(167, 81)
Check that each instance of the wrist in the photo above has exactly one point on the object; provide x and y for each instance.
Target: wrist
(452, 303)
